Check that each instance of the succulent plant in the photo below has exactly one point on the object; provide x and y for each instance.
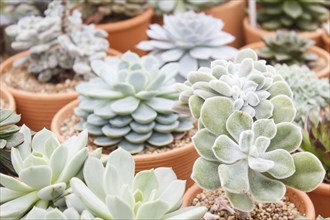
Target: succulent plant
(316, 138)
(287, 48)
(253, 87)
(45, 168)
(191, 39)
(310, 93)
(112, 191)
(96, 11)
(129, 104)
(58, 43)
(299, 14)
(9, 138)
(54, 213)
(250, 159)
(179, 6)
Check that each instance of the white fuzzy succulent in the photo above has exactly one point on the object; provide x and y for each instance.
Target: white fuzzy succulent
(191, 39)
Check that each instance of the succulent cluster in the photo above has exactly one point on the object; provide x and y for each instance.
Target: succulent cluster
(310, 93)
(129, 104)
(95, 11)
(189, 39)
(9, 138)
(57, 42)
(179, 6)
(316, 138)
(287, 48)
(298, 14)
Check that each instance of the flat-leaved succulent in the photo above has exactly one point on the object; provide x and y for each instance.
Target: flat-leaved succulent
(190, 39)
(129, 105)
(113, 192)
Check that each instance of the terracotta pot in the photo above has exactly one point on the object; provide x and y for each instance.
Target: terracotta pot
(326, 41)
(180, 159)
(37, 109)
(125, 35)
(302, 202)
(321, 200)
(255, 34)
(322, 54)
(8, 98)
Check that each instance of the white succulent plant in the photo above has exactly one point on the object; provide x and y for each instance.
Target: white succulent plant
(191, 39)
(112, 191)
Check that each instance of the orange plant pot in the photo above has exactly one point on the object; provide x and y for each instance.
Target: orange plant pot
(302, 202)
(321, 199)
(125, 35)
(322, 54)
(180, 159)
(326, 41)
(37, 110)
(255, 34)
(9, 99)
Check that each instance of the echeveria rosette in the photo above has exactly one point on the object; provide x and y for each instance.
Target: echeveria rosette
(130, 104)
(44, 168)
(191, 39)
(112, 191)
(54, 213)
(250, 159)
(250, 84)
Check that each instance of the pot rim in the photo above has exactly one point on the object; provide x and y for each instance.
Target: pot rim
(9, 98)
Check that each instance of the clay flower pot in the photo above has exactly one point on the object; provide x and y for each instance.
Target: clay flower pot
(125, 35)
(8, 98)
(302, 202)
(326, 41)
(180, 159)
(322, 54)
(36, 109)
(321, 199)
(255, 34)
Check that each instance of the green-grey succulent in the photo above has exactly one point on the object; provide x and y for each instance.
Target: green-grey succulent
(113, 192)
(304, 15)
(96, 11)
(310, 93)
(58, 43)
(250, 159)
(253, 87)
(54, 213)
(9, 138)
(180, 6)
(130, 104)
(45, 168)
(287, 48)
(190, 39)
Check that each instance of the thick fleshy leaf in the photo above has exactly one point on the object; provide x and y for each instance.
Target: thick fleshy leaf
(221, 87)
(226, 150)
(280, 88)
(125, 106)
(161, 105)
(138, 80)
(114, 132)
(93, 170)
(202, 53)
(203, 141)
(259, 164)
(41, 173)
(55, 214)
(14, 184)
(172, 55)
(58, 161)
(172, 195)
(205, 174)
(246, 53)
(284, 110)
(152, 210)
(146, 181)
(264, 127)
(158, 139)
(142, 128)
(39, 140)
(188, 213)
(237, 123)
(105, 71)
(246, 141)
(187, 64)
(240, 201)
(8, 194)
(137, 138)
(264, 110)
(195, 105)
(118, 208)
(144, 114)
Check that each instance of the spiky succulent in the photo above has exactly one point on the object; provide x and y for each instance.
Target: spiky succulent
(9, 138)
(57, 43)
(130, 104)
(179, 6)
(298, 14)
(112, 191)
(190, 39)
(249, 83)
(316, 138)
(45, 168)
(310, 93)
(96, 11)
(287, 48)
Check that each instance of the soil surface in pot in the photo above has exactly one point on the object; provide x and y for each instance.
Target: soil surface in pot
(20, 79)
(69, 125)
(218, 205)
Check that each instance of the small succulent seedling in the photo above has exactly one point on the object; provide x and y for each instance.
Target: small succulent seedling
(9, 138)
(310, 93)
(298, 14)
(57, 43)
(95, 11)
(129, 105)
(112, 191)
(162, 7)
(190, 39)
(287, 48)
(45, 168)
